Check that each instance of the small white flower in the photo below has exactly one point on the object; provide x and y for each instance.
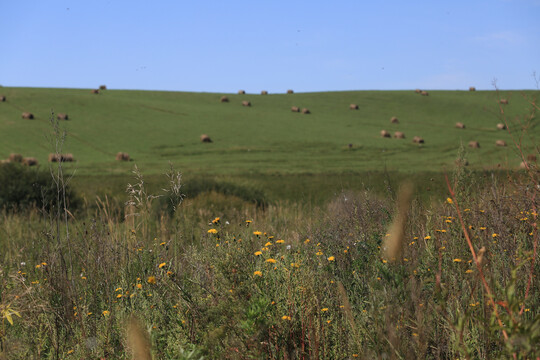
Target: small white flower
(288, 247)
(226, 223)
(23, 264)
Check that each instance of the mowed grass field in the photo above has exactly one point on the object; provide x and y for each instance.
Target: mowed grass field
(267, 138)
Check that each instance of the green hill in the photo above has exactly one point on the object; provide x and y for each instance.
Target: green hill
(266, 138)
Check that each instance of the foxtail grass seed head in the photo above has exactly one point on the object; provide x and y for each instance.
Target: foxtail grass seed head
(393, 243)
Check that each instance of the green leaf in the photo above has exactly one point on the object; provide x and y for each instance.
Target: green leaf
(8, 317)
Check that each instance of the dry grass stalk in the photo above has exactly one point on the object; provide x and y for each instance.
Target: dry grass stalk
(205, 138)
(353, 107)
(474, 144)
(460, 125)
(393, 245)
(138, 340)
(385, 134)
(27, 115)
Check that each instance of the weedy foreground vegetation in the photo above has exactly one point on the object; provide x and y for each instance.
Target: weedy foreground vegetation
(162, 276)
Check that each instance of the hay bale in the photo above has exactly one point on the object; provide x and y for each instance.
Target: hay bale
(500, 143)
(418, 140)
(418, 91)
(30, 161)
(353, 107)
(95, 91)
(394, 120)
(241, 92)
(350, 146)
(62, 116)
(27, 115)
(205, 138)
(290, 91)
(53, 157)
(531, 158)
(122, 156)
(474, 144)
(306, 111)
(246, 103)
(523, 165)
(2, 98)
(102, 87)
(264, 92)
(472, 88)
(399, 135)
(385, 134)
(295, 109)
(503, 101)
(67, 157)
(424, 93)
(60, 157)
(460, 125)
(224, 99)
(13, 158)
(501, 126)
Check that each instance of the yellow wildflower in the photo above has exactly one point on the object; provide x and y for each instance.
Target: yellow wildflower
(427, 237)
(163, 243)
(257, 233)
(449, 200)
(212, 231)
(139, 286)
(151, 280)
(468, 271)
(306, 241)
(215, 221)
(169, 273)
(280, 241)
(162, 265)
(258, 253)
(268, 244)
(331, 258)
(106, 313)
(273, 261)
(324, 309)
(118, 296)
(257, 273)
(494, 235)
(319, 253)
(457, 260)
(285, 317)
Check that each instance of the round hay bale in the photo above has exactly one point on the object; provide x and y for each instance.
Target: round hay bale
(418, 140)
(306, 111)
(62, 116)
(67, 157)
(246, 103)
(385, 134)
(472, 88)
(241, 92)
(399, 135)
(503, 101)
(102, 87)
(224, 99)
(264, 92)
(30, 161)
(2, 98)
(500, 143)
(27, 115)
(474, 144)
(424, 93)
(122, 156)
(95, 91)
(394, 120)
(295, 109)
(501, 126)
(460, 125)
(205, 138)
(53, 157)
(418, 91)
(350, 146)
(353, 107)
(531, 158)
(15, 158)
(290, 91)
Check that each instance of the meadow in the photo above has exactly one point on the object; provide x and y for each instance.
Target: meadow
(277, 240)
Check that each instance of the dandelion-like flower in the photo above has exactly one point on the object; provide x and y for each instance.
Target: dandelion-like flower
(324, 309)
(257, 273)
(331, 258)
(285, 317)
(151, 280)
(105, 313)
(457, 260)
(162, 265)
(215, 221)
(212, 231)
(306, 241)
(427, 237)
(494, 235)
(449, 200)
(268, 244)
(319, 253)
(280, 241)
(257, 233)
(139, 286)
(258, 253)
(272, 261)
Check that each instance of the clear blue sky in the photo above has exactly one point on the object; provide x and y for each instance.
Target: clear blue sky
(223, 46)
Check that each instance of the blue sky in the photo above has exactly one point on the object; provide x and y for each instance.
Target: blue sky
(223, 46)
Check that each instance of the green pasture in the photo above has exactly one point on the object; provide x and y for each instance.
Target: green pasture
(156, 128)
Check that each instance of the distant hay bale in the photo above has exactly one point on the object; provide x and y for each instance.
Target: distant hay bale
(418, 91)
(62, 116)
(290, 91)
(306, 111)
(53, 158)
(353, 107)
(246, 103)
(531, 158)
(503, 101)
(241, 92)
(385, 134)
(60, 157)
(460, 125)
(474, 144)
(424, 93)
(264, 92)
(500, 143)
(523, 165)
(2, 98)
(295, 109)
(67, 157)
(205, 138)
(394, 120)
(418, 140)
(224, 99)
(399, 135)
(472, 88)
(501, 126)
(350, 146)
(122, 156)
(30, 161)
(102, 87)
(15, 158)
(95, 91)
(27, 115)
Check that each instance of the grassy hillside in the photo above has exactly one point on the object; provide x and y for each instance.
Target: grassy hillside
(267, 138)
